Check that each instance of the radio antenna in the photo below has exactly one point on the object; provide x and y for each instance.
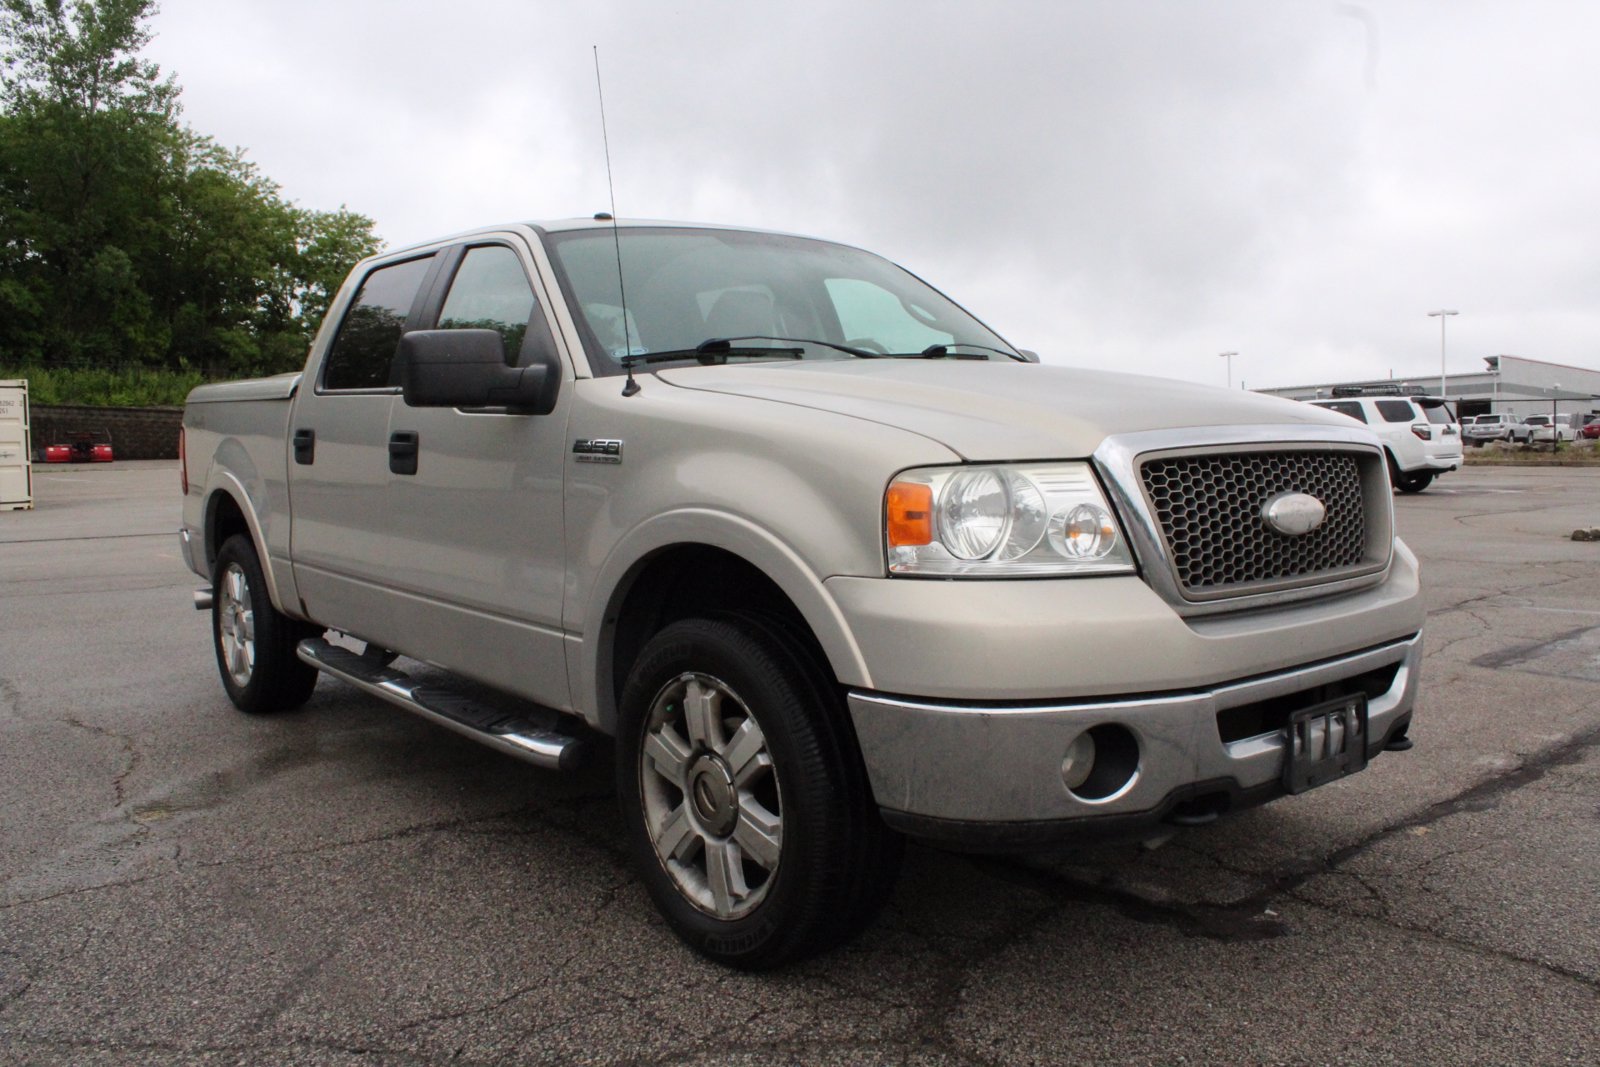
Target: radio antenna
(632, 386)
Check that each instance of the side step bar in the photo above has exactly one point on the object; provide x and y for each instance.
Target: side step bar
(505, 731)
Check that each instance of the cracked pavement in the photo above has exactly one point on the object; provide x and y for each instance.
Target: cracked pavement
(181, 884)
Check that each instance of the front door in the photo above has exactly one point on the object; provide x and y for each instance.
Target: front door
(475, 534)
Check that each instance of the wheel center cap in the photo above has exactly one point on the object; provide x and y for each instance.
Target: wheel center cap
(711, 791)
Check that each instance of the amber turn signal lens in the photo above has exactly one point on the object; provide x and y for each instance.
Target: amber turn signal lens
(910, 514)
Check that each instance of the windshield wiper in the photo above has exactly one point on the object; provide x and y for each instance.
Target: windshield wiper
(859, 353)
(714, 350)
(941, 351)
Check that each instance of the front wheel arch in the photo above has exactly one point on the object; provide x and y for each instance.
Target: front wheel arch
(744, 565)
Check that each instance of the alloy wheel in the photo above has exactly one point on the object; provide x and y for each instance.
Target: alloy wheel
(710, 794)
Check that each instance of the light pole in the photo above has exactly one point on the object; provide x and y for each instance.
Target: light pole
(1555, 409)
(1229, 357)
(1441, 315)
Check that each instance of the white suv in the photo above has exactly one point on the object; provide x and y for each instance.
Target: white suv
(1495, 427)
(1539, 428)
(1419, 434)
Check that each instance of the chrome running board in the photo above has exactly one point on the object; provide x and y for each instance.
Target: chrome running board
(508, 732)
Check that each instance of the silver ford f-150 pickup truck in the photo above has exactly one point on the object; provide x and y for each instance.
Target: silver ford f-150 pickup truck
(832, 561)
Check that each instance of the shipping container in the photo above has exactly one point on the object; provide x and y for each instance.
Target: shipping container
(16, 455)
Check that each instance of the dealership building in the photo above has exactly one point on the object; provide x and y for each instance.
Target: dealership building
(1510, 384)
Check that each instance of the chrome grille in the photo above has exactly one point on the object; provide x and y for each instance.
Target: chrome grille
(1208, 508)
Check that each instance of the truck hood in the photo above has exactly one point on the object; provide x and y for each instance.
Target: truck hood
(999, 411)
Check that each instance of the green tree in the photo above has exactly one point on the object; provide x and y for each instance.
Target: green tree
(126, 237)
(85, 133)
(330, 243)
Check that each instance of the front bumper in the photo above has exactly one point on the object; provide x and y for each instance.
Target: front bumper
(984, 776)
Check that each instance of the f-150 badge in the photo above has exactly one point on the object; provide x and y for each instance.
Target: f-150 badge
(597, 450)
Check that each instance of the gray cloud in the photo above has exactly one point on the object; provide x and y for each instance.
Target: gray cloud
(1131, 185)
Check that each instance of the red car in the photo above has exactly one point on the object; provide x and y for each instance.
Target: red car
(81, 446)
(1591, 430)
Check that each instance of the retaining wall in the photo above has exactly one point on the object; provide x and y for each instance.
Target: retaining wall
(136, 433)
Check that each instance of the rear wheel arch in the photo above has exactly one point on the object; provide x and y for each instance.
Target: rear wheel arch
(253, 641)
(229, 512)
(224, 518)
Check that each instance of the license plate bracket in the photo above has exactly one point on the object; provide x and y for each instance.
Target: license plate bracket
(1325, 742)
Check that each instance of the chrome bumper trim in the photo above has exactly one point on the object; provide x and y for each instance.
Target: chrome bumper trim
(1003, 763)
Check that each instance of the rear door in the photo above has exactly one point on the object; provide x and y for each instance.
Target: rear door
(338, 454)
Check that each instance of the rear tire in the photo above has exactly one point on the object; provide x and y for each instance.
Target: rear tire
(255, 643)
(1414, 483)
(746, 803)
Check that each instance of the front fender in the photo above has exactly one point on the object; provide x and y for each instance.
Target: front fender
(589, 663)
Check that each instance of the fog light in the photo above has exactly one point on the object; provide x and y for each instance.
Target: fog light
(1079, 761)
(1102, 763)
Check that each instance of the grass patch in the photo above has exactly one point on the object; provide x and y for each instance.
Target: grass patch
(1572, 454)
(127, 387)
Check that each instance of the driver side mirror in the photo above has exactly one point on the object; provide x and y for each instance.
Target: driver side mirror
(467, 369)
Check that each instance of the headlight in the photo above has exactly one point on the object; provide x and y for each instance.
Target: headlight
(1034, 521)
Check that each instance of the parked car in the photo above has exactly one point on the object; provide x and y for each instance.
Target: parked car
(1497, 426)
(1419, 434)
(1590, 430)
(81, 446)
(1543, 434)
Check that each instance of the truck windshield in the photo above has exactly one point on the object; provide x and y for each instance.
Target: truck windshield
(685, 287)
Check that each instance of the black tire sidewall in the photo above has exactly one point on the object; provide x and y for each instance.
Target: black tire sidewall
(1414, 483)
(811, 787)
(278, 680)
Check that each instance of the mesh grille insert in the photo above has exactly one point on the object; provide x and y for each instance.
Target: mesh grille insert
(1209, 509)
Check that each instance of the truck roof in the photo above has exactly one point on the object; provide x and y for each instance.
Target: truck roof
(596, 222)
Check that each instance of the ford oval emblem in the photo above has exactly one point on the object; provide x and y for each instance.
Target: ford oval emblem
(1293, 514)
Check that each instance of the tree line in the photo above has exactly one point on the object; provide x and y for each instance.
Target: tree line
(128, 238)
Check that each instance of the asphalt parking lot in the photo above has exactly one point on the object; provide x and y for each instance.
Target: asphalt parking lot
(181, 883)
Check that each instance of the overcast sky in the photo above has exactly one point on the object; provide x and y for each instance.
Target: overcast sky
(1119, 184)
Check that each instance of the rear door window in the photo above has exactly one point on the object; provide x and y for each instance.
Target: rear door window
(364, 347)
(1345, 407)
(1396, 410)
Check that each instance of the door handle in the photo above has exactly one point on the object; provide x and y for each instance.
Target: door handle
(403, 452)
(305, 447)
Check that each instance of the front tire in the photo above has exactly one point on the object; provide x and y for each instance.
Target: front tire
(747, 807)
(255, 643)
